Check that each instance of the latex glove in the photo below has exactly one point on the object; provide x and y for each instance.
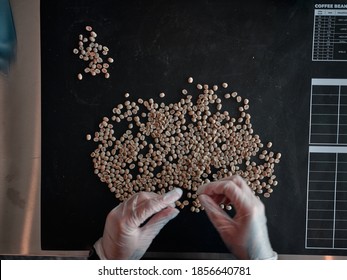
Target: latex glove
(124, 235)
(246, 233)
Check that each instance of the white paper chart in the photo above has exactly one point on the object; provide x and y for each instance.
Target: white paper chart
(328, 123)
(330, 35)
(326, 215)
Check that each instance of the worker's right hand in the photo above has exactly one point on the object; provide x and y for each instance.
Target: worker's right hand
(246, 233)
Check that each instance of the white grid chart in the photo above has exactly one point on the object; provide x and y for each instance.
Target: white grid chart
(330, 35)
(328, 124)
(326, 213)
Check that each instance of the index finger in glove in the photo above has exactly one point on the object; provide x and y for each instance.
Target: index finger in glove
(147, 204)
(233, 188)
(217, 216)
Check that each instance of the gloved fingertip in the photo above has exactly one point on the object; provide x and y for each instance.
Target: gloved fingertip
(206, 201)
(178, 191)
(201, 189)
(172, 205)
(173, 213)
(173, 195)
(203, 198)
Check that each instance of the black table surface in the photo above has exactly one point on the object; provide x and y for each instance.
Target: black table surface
(262, 49)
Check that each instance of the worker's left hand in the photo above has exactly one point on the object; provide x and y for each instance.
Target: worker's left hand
(125, 234)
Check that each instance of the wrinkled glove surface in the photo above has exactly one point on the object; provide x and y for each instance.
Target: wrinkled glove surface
(125, 234)
(246, 233)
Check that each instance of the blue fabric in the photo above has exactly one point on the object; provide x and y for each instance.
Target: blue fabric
(7, 36)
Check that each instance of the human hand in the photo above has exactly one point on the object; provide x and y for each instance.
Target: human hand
(125, 236)
(246, 233)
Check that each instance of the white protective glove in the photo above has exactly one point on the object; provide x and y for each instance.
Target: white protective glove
(125, 236)
(245, 234)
